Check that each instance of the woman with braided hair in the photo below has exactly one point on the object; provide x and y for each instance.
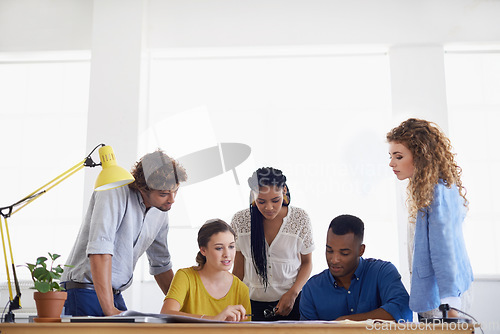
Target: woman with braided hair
(439, 265)
(274, 247)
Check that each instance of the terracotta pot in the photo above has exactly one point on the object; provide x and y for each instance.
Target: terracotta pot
(49, 304)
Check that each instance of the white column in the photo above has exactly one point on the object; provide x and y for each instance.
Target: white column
(115, 94)
(115, 87)
(418, 90)
(418, 83)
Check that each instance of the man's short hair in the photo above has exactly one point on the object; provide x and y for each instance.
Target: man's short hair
(157, 171)
(344, 224)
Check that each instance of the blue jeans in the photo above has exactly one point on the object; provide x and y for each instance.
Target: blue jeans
(84, 302)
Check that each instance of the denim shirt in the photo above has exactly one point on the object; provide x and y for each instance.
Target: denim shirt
(375, 284)
(441, 267)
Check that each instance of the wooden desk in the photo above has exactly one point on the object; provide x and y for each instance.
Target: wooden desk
(230, 328)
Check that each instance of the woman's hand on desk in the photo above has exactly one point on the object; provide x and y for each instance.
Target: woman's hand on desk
(230, 313)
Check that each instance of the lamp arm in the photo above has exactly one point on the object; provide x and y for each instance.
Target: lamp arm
(7, 262)
(14, 302)
(7, 211)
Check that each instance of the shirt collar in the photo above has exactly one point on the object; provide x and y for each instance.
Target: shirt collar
(359, 269)
(356, 276)
(140, 199)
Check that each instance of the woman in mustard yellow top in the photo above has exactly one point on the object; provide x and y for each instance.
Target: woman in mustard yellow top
(210, 291)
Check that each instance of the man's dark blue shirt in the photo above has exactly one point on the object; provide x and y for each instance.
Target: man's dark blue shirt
(375, 284)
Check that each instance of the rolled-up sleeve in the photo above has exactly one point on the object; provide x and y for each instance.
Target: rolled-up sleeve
(108, 210)
(393, 295)
(158, 253)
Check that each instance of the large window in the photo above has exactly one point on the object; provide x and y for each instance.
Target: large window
(318, 114)
(473, 83)
(43, 120)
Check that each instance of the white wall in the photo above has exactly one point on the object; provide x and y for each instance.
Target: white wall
(403, 27)
(297, 22)
(31, 25)
(35, 25)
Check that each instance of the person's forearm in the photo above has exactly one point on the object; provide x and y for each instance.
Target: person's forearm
(185, 314)
(100, 267)
(239, 265)
(164, 280)
(172, 306)
(303, 274)
(379, 313)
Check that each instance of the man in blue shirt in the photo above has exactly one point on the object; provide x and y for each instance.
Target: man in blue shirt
(352, 287)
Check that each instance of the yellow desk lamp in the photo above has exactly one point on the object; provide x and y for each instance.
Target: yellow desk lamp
(112, 176)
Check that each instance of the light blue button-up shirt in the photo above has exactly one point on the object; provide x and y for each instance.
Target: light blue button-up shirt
(441, 266)
(117, 223)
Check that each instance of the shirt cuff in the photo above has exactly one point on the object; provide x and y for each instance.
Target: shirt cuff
(454, 302)
(156, 270)
(393, 310)
(100, 247)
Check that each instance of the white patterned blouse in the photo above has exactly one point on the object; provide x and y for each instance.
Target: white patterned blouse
(283, 256)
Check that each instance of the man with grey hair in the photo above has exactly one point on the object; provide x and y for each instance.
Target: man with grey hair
(120, 225)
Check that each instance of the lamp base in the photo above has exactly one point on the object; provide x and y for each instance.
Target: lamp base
(10, 317)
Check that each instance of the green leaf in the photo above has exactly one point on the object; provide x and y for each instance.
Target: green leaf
(54, 275)
(42, 286)
(41, 260)
(41, 274)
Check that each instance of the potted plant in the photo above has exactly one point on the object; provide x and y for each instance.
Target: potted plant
(49, 297)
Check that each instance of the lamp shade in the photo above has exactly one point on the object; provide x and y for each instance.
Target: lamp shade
(112, 176)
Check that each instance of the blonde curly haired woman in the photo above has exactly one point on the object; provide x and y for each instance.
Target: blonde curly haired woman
(439, 265)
